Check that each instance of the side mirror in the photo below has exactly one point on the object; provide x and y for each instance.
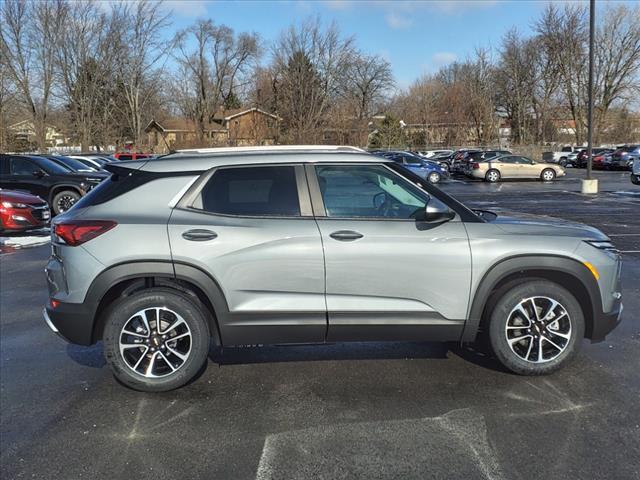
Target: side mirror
(39, 173)
(437, 212)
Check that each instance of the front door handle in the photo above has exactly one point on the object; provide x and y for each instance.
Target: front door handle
(199, 235)
(346, 235)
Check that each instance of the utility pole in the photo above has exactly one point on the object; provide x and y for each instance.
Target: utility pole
(590, 185)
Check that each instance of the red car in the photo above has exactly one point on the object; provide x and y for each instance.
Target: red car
(131, 155)
(22, 211)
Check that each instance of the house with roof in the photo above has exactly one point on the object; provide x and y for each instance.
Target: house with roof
(236, 127)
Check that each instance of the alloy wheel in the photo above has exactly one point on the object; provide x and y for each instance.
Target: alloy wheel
(65, 202)
(493, 176)
(538, 329)
(155, 342)
(548, 175)
(434, 177)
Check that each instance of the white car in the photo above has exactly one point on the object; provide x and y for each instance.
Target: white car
(434, 153)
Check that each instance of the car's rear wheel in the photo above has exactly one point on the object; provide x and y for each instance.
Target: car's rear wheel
(536, 327)
(156, 340)
(63, 201)
(434, 177)
(548, 175)
(492, 176)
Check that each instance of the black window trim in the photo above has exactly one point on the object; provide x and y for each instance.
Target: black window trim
(304, 198)
(463, 214)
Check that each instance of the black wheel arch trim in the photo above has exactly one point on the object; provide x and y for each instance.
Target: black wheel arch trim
(122, 272)
(531, 264)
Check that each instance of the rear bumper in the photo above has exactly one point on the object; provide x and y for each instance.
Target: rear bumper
(71, 321)
(604, 323)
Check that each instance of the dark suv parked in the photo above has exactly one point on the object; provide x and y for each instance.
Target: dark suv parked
(54, 182)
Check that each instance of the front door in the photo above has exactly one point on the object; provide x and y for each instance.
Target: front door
(252, 230)
(389, 276)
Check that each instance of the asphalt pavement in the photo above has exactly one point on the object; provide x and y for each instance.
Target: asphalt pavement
(380, 410)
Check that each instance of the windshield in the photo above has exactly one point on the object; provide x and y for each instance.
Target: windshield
(51, 167)
(73, 164)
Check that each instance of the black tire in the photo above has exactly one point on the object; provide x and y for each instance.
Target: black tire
(500, 315)
(444, 165)
(548, 172)
(188, 308)
(63, 200)
(635, 179)
(434, 177)
(492, 176)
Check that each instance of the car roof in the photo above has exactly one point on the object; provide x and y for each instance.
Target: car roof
(187, 161)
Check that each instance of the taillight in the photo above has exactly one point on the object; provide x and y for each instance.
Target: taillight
(77, 232)
(475, 166)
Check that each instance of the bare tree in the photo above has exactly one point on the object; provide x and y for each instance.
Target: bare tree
(214, 67)
(85, 59)
(617, 58)
(514, 83)
(309, 63)
(142, 49)
(28, 30)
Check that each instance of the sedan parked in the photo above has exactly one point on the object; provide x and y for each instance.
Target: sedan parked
(21, 211)
(513, 166)
(426, 169)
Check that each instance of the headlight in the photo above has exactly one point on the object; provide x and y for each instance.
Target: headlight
(14, 205)
(603, 245)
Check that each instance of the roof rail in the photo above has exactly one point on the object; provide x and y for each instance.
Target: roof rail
(275, 148)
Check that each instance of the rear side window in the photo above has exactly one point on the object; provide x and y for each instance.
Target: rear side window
(252, 191)
(22, 166)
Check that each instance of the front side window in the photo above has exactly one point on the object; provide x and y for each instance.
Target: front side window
(370, 191)
(252, 191)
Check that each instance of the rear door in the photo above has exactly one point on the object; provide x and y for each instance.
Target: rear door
(509, 166)
(389, 276)
(251, 228)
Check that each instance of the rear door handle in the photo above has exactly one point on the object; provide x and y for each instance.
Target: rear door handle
(199, 235)
(346, 235)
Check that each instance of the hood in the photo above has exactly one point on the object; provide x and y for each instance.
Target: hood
(19, 197)
(526, 224)
(88, 175)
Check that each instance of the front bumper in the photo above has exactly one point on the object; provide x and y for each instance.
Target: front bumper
(71, 321)
(604, 323)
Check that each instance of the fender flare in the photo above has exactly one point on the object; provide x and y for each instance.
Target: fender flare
(116, 274)
(63, 186)
(536, 265)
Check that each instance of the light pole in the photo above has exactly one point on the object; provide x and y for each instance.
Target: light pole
(590, 185)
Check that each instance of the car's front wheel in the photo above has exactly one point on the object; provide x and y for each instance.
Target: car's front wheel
(548, 175)
(434, 177)
(156, 340)
(536, 327)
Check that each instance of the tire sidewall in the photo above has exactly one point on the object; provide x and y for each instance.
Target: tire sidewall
(122, 310)
(488, 176)
(56, 197)
(552, 173)
(505, 305)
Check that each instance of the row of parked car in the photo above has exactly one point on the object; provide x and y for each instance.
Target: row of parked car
(35, 187)
(488, 165)
(604, 158)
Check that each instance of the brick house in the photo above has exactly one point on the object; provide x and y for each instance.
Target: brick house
(237, 127)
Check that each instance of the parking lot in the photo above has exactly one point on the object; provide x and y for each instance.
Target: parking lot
(381, 410)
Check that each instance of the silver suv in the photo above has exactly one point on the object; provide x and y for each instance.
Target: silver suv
(304, 245)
